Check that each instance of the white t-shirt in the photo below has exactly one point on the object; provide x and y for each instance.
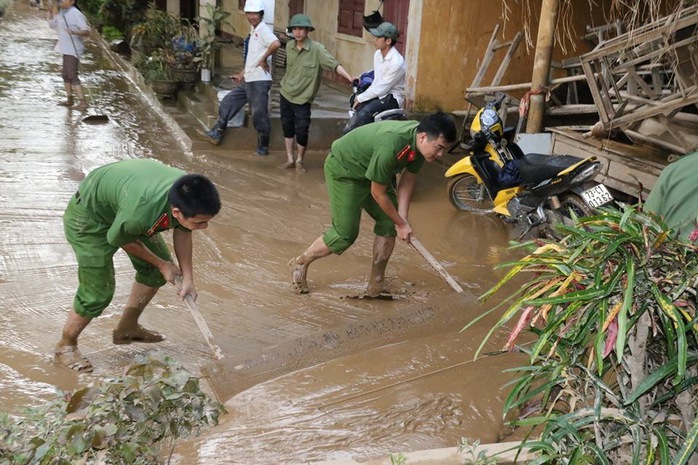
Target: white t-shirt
(69, 44)
(261, 38)
(388, 77)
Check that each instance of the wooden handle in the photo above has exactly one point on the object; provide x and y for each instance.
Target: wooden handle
(435, 264)
(200, 322)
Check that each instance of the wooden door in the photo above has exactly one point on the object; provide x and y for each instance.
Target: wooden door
(295, 7)
(395, 11)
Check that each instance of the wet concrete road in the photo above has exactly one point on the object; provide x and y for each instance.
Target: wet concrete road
(316, 376)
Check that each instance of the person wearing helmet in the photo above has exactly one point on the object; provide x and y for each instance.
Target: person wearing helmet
(254, 79)
(387, 91)
(305, 60)
(358, 174)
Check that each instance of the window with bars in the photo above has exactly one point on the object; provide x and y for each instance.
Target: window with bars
(350, 19)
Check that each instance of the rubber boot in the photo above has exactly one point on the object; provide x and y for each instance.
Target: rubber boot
(215, 134)
(263, 144)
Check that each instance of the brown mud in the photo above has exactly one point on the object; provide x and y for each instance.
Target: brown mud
(306, 377)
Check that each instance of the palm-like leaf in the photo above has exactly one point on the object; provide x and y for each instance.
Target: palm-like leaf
(613, 310)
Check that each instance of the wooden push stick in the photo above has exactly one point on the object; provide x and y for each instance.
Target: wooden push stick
(435, 264)
(200, 322)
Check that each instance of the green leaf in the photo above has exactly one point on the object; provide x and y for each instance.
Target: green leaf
(663, 445)
(627, 305)
(659, 374)
(689, 445)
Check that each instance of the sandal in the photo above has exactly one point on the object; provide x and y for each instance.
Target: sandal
(300, 286)
(71, 358)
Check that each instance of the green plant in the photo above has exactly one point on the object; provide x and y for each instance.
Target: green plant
(111, 33)
(215, 16)
(398, 459)
(613, 366)
(129, 419)
(123, 14)
(155, 67)
(472, 455)
(156, 31)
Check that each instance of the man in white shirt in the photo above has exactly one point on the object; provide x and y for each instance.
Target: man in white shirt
(72, 27)
(255, 81)
(387, 91)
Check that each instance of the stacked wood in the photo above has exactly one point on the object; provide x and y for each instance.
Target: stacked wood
(649, 74)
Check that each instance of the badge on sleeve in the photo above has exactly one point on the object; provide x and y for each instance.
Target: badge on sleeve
(163, 223)
(406, 152)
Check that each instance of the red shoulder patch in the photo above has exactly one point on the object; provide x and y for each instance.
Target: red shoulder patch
(163, 222)
(406, 152)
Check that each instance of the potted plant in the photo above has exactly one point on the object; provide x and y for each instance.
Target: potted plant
(157, 73)
(182, 55)
(155, 31)
(207, 41)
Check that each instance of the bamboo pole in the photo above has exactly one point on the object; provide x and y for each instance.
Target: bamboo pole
(541, 64)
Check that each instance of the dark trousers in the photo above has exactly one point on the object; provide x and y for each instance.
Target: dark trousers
(257, 94)
(365, 111)
(295, 120)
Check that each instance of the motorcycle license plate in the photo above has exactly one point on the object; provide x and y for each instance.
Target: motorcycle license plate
(597, 196)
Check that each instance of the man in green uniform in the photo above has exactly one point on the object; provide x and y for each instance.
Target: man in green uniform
(675, 196)
(126, 205)
(305, 60)
(358, 172)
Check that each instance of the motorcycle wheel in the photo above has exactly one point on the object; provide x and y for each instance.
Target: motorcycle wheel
(466, 193)
(569, 203)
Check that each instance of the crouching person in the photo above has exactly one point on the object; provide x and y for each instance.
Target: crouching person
(358, 173)
(127, 205)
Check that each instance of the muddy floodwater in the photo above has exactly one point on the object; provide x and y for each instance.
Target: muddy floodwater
(306, 378)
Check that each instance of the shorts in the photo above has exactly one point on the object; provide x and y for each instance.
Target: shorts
(348, 197)
(70, 70)
(95, 257)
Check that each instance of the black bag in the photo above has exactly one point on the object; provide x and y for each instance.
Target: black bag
(373, 20)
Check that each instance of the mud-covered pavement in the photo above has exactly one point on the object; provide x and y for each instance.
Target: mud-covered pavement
(311, 377)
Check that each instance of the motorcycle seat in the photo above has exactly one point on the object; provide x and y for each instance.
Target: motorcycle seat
(536, 167)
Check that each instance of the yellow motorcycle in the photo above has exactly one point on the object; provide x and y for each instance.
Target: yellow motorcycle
(531, 190)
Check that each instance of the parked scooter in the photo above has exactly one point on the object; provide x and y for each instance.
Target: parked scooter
(532, 190)
(360, 85)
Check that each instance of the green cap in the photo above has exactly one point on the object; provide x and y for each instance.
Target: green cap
(387, 30)
(300, 20)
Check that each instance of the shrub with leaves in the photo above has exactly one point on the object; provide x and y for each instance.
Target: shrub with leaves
(131, 419)
(612, 375)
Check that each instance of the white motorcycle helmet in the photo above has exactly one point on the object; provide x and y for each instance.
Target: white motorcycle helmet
(254, 6)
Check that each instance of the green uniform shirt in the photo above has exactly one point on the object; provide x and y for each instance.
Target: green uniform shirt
(378, 151)
(675, 196)
(130, 198)
(304, 70)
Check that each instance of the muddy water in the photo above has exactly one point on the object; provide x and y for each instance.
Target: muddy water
(306, 377)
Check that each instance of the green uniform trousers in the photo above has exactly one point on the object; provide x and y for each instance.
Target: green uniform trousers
(348, 196)
(95, 257)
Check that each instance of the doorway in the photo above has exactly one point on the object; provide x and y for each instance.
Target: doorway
(395, 11)
(295, 7)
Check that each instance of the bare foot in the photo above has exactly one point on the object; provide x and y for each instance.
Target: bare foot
(374, 291)
(81, 106)
(137, 334)
(66, 103)
(71, 358)
(298, 276)
(299, 167)
(289, 165)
